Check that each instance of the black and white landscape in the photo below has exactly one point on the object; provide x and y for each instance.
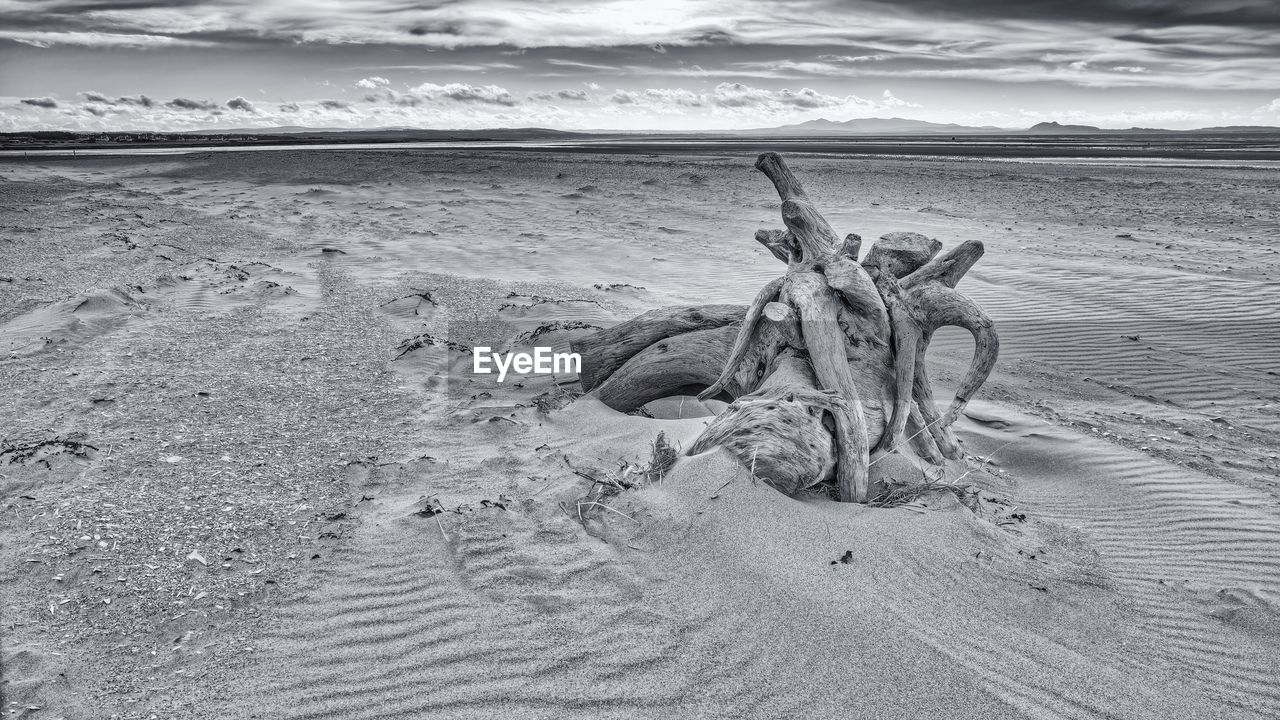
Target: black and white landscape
(885, 360)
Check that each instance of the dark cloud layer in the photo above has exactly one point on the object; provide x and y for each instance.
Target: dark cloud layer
(137, 101)
(611, 63)
(181, 103)
(470, 22)
(1142, 13)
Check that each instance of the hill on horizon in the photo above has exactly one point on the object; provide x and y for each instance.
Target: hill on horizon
(904, 126)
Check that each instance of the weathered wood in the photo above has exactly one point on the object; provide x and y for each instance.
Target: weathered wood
(833, 338)
(860, 293)
(922, 391)
(780, 243)
(922, 441)
(668, 367)
(784, 181)
(787, 322)
(949, 267)
(745, 336)
(906, 336)
(942, 306)
(777, 432)
(605, 351)
(851, 246)
(902, 253)
(814, 303)
(814, 236)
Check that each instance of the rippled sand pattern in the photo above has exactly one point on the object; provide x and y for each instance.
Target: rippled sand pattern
(248, 355)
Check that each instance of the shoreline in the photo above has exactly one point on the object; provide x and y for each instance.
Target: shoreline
(1262, 147)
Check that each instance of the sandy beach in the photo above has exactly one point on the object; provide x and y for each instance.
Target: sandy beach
(242, 476)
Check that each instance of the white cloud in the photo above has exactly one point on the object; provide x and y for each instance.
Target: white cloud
(738, 95)
(890, 101)
(46, 39)
(554, 95)
(372, 83)
(465, 92)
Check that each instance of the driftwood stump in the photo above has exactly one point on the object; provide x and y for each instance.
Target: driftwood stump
(825, 369)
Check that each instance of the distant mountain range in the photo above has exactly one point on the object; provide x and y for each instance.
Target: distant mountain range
(903, 126)
(390, 133)
(872, 126)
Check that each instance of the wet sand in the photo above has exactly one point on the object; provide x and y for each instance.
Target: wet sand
(223, 430)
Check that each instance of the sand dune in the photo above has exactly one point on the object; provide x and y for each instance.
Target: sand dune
(298, 507)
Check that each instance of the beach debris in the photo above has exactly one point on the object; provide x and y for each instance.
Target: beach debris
(424, 340)
(430, 507)
(628, 476)
(39, 452)
(825, 368)
(845, 559)
(662, 459)
(528, 338)
(196, 556)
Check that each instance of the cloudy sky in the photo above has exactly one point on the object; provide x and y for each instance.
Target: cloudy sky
(634, 64)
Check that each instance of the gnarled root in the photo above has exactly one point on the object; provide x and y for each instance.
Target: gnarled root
(605, 351)
(778, 431)
(678, 365)
(833, 338)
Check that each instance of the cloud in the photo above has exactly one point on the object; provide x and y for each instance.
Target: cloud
(41, 102)
(851, 59)
(1229, 13)
(96, 97)
(659, 98)
(891, 101)
(738, 95)
(651, 26)
(289, 107)
(239, 103)
(334, 105)
(571, 95)
(372, 83)
(733, 104)
(51, 38)
(559, 62)
(465, 92)
(181, 103)
(676, 96)
(137, 100)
